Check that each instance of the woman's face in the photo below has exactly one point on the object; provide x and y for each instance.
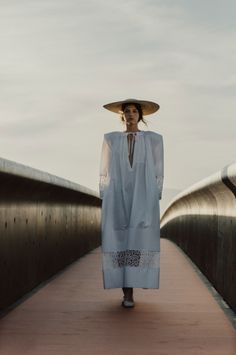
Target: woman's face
(131, 114)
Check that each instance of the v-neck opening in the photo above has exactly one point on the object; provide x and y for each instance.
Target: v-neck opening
(124, 135)
(131, 167)
(131, 145)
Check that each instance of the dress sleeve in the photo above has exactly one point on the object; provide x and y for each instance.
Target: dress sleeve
(104, 176)
(158, 155)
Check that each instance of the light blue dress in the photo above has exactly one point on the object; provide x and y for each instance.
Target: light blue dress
(130, 220)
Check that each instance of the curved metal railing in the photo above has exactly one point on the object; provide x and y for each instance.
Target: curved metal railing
(46, 223)
(202, 221)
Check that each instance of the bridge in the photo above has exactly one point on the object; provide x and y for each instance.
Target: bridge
(52, 300)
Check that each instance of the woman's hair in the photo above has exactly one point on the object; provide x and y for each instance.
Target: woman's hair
(138, 107)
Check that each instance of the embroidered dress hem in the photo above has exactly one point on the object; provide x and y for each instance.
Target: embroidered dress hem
(131, 268)
(138, 278)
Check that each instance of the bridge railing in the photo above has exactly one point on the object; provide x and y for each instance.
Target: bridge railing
(202, 221)
(45, 224)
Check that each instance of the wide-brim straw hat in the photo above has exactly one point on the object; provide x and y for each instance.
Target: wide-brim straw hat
(148, 107)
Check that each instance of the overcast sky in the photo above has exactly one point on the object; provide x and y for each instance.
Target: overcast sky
(61, 60)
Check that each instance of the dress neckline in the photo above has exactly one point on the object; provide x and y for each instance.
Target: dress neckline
(132, 132)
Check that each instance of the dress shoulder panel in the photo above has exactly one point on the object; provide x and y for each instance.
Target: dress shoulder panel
(110, 137)
(155, 136)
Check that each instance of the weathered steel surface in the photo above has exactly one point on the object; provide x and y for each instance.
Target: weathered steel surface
(45, 224)
(202, 221)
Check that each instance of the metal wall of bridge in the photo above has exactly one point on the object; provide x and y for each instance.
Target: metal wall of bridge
(202, 221)
(45, 224)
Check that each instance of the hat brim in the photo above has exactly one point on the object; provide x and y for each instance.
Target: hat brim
(148, 107)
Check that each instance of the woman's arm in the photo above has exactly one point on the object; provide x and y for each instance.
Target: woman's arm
(105, 158)
(158, 155)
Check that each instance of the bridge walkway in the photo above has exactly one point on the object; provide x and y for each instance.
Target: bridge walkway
(73, 314)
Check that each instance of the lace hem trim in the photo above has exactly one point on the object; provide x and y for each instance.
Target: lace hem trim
(136, 258)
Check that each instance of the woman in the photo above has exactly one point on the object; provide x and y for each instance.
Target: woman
(130, 186)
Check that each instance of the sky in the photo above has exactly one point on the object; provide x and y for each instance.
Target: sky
(62, 60)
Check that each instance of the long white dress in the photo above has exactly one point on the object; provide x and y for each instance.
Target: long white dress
(130, 220)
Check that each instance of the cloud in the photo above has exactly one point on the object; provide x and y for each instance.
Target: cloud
(62, 60)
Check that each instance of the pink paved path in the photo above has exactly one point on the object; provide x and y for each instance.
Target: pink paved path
(73, 314)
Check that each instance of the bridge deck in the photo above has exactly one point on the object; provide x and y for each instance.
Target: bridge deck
(73, 314)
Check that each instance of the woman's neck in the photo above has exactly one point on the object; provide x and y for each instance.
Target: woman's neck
(132, 129)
